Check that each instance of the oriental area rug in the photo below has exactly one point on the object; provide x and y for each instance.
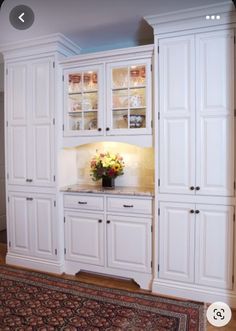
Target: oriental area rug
(33, 301)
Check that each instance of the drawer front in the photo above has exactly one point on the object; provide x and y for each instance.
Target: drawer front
(83, 202)
(127, 205)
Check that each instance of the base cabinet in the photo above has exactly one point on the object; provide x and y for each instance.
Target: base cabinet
(32, 231)
(84, 237)
(111, 241)
(196, 244)
(128, 243)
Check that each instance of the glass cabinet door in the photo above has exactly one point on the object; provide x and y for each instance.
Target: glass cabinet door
(82, 102)
(127, 103)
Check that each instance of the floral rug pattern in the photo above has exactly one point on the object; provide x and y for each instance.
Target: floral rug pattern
(33, 301)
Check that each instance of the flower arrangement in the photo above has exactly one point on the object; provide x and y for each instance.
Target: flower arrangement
(106, 165)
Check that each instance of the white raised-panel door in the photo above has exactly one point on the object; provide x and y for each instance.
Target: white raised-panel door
(41, 144)
(215, 113)
(129, 243)
(214, 246)
(176, 242)
(20, 223)
(17, 97)
(84, 237)
(44, 227)
(177, 114)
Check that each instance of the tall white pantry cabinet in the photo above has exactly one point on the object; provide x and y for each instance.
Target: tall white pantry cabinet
(32, 118)
(195, 152)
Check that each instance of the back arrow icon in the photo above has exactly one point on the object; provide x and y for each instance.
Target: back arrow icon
(20, 17)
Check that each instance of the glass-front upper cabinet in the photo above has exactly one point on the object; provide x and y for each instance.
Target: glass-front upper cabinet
(83, 101)
(129, 97)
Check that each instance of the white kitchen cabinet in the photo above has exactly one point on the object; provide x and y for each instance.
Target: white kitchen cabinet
(113, 240)
(83, 100)
(108, 93)
(84, 237)
(129, 97)
(176, 242)
(30, 122)
(129, 243)
(197, 114)
(214, 246)
(196, 244)
(32, 227)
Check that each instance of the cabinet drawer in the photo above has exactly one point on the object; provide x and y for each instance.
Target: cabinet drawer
(83, 202)
(128, 205)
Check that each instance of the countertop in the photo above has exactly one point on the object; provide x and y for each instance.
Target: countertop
(118, 190)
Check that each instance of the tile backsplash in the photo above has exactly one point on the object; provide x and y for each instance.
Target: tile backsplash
(138, 171)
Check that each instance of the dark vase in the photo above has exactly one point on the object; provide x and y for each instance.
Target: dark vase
(108, 181)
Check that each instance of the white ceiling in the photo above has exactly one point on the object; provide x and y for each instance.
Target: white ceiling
(92, 24)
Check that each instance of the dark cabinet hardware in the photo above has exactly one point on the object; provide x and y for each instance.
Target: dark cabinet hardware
(108, 222)
(99, 129)
(99, 221)
(29, 199)
(82, 202)
(29, 180)
(197, 188)
(191, 188)
(197, 211)
(128, 206)
(191, 211)
(107, 129)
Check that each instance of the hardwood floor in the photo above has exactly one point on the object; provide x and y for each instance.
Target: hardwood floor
(118, 283)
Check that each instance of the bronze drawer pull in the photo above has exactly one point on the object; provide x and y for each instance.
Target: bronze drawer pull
(128, 206)
(82, 203)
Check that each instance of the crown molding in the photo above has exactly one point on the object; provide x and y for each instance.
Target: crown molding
(53, 43)
(110, 55)
(192, 18)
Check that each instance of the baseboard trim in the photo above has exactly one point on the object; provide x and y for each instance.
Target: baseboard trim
(194, 293)
(55, 267)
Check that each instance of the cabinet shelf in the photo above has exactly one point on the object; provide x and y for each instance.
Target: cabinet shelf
(82, 92)
(128, 88)
(75, 113)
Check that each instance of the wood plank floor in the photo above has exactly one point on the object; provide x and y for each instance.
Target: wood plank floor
(120, 284)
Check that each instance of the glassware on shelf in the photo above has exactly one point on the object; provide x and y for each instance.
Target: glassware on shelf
(90, 81)
(120, 119)
(75, 122)
(74, 83)
(137, 76)
(75, 103)
(120, 99)
(137, 97)
(90, 121)
(120, 78)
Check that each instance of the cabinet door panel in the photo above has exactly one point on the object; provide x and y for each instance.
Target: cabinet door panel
(176, 250)
(41, 164)
(44, 227)
(215, 113)
(84, 236)
(42, 161)
(177, 109)
(129, 243)
(43, 90)
(17, 94)
(214, 246)
(17, 154)
(20, 223)
(215, 148)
